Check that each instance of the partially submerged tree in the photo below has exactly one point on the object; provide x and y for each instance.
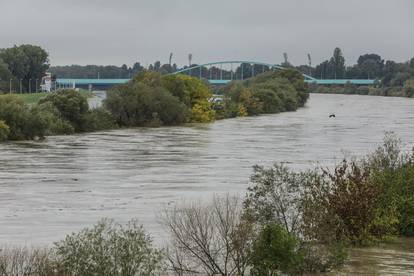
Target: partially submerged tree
(209, 239)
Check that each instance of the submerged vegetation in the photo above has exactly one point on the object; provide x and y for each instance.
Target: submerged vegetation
(289, 223)
(149, 99)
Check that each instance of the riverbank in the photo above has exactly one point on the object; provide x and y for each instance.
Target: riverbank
(399, 91)
(148, 100)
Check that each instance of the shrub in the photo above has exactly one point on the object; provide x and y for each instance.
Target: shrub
(270, 92)
(26, 261)
(4, 131)
(57, 124)
(280, 196)
(71, 105)
(352, 195)
(275, 251)
(137, 104)
(209, 239)
(23, 121)
(99, 119)
(109, 249)
(194, 94)
(393, 172)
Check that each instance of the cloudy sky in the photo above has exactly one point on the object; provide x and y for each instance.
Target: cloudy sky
(125, 31)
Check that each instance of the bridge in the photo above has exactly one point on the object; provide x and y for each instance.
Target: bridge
(217, 73)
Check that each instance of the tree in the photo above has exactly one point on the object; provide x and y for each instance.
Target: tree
(274, 197)
(193, 93)
(71, 105)
(26, 62)
(109, 249)
(209, 239)
(409, 88)
(144, 101)
(275, 251)
(5, 76)
(370, 66)
(338, 63)
(23, 122)
(324, 70)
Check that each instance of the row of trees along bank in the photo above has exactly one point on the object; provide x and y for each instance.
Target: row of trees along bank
(289, 223)
(22, 68)
(150, 99)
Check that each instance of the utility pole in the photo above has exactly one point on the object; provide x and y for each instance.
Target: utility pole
(310, 64)
(11, 85)
(190, 59)
(170, 60)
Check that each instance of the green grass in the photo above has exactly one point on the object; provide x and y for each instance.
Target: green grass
(32, 98)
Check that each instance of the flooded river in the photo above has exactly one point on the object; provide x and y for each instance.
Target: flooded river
(60, 185)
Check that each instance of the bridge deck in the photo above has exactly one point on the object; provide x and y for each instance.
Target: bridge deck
(109, 82)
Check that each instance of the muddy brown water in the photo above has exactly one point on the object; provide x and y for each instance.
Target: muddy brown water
(50, 188)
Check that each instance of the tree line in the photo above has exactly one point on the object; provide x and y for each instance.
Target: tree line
(369, 66)
(150, 99)
(22, 68)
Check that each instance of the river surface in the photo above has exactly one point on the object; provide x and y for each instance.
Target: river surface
(50, 188)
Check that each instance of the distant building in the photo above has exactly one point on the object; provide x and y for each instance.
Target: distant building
(47, 83)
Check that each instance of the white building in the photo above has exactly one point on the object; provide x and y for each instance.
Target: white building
(46, 84)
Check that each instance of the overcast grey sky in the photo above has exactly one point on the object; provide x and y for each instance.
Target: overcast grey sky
(125, 31)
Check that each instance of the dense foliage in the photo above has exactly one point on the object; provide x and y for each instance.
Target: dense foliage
(62, 112)
(20, 121)
(270, 92)
(109, 249)
(23, 65)
(392, 78)
(275, 251)
(96, 71)
(150, 99)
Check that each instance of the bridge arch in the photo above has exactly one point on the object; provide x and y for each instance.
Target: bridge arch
(219, 79)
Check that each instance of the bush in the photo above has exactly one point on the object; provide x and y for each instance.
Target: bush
(280, 196)
(109, 249)
(31, 262)
(194, 94)
(24, 122)
(393, 172)
(71, 105)
(137, 104)
(57, 124)
(4, 131)
(99, 119)
(209, 239)
(275, 251)
(270, 92)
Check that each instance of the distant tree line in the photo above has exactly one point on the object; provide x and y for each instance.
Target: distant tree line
(369, 66)
(22, 67)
